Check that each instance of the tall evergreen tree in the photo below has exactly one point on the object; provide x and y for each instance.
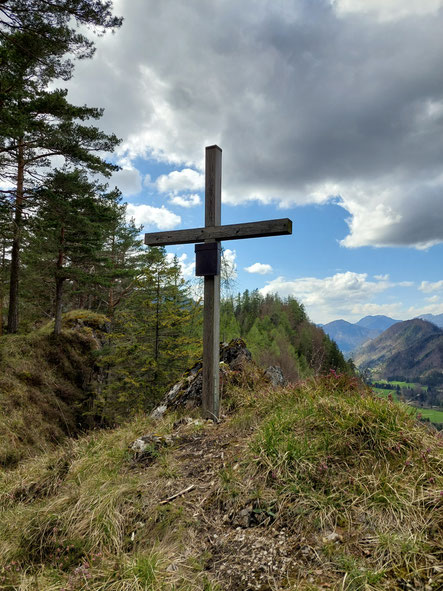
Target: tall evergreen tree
(72, 221)
(123, 263)
(37, 124)
(48, 127)
(278, 332)
(5, 238)
(155, 335)
(52, 22)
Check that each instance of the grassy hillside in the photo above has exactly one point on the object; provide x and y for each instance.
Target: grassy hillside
(43, 384)
(321, 485)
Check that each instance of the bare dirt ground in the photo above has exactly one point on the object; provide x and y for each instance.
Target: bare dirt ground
(239, 543)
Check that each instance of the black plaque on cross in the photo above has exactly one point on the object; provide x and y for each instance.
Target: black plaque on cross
(207, 240)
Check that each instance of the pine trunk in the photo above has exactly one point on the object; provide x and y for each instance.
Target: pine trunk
(157, 323)
(59, 282)
(13, 318)
(2, 286)
(111, 288)
(157, 330)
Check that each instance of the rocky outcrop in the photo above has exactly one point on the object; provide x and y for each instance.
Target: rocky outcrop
(187, 393)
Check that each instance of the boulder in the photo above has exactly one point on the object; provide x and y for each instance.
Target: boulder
(275, 376)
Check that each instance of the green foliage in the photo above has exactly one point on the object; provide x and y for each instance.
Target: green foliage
(36, 123)
(66, 242)
(154, 337)
(278, 332)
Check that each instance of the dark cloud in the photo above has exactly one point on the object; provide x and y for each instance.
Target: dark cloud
(305, 101)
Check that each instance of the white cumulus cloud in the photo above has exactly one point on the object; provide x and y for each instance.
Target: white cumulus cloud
(229, 265)
(346, 92)
(260, 268)
(187, 268)
(185, 200)
(180, 180)
(128, 180)
(435, 307)
(329, 298)
(429, 286)
(150, 216)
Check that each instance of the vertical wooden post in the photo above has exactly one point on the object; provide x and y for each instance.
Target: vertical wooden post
(211, 313)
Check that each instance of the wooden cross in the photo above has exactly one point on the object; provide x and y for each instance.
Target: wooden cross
(208, 265)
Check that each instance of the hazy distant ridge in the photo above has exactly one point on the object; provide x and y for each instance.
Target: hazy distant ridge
(434, 318)
(349, 336)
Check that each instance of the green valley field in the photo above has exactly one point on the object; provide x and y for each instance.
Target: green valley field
(434, 415)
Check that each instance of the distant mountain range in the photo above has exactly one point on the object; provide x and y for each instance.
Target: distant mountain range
(350, 337)
(434, 318)
(406, 350)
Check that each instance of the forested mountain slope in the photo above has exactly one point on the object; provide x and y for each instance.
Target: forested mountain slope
(278, 332)
(378, 322)
(410, 349)
(349, 336)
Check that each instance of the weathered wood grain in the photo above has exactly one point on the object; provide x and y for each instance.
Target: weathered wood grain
(211, 310)
(279, 227)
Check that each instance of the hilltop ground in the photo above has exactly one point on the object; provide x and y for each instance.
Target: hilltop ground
(320, 485)
(45, 385)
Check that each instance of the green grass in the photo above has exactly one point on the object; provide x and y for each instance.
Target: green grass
(326, 455)
(403, 384)
(385, 392)
(435, 416)
(42, 387)
(344, 457)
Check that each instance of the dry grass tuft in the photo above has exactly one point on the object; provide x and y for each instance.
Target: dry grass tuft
(316, 486)
(43, 385)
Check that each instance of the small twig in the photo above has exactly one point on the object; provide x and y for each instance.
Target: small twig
(182, 492)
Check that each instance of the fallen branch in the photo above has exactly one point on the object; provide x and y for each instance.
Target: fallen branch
(182, 492)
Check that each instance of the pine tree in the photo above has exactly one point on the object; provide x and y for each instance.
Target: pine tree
(278, 332)
(155, 335)
(51, 23)
(229, 327)
(123, 263)
(48, 128)
(73, 219)
(36, 37)
(5, 238)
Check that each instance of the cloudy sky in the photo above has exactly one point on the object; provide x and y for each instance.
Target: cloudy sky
(329, 112)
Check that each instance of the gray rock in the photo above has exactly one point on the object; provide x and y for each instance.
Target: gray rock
(275, 376)
(187, 393)
(147, 448)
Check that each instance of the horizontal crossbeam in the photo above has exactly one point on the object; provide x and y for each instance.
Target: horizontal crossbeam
(280, 227)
